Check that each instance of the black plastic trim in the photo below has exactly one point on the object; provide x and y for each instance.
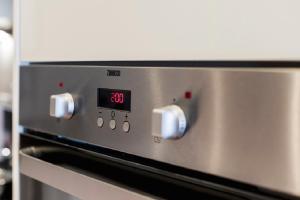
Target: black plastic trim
(247, 64)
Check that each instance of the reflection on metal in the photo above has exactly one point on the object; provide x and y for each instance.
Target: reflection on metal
(294, 140)
(217, 122)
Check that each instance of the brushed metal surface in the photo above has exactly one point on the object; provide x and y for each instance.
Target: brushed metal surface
(34, 190)
(244, 124)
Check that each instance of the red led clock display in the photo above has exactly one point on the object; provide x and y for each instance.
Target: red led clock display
(114, 99)
(117, 97)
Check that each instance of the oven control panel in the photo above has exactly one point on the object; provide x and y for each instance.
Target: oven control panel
(214, 120)
(168, 122)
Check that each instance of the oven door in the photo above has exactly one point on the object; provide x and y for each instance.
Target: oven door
(54, 167)
(56, 172)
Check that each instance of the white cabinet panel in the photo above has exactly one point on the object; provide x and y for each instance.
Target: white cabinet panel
(96, 30)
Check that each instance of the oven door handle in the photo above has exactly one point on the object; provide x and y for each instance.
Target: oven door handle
(80, 185)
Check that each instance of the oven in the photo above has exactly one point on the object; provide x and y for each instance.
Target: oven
(112, 131)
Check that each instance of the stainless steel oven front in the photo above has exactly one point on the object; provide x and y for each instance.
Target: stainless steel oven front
(165, 131)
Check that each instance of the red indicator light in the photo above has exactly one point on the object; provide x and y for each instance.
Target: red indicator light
(188, 95)
(61, 84)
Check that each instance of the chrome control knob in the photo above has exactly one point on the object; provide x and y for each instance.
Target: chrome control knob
(168, 122)
(62, 106)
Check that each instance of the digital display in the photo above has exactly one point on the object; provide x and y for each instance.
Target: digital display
(114, 99)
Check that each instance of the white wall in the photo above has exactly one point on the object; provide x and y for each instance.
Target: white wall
(5, 14)
(6, 8)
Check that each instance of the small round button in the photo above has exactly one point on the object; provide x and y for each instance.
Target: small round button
(126, 126)
(112, 124)
(100, 122)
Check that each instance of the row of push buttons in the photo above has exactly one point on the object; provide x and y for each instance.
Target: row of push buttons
(113, 124)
